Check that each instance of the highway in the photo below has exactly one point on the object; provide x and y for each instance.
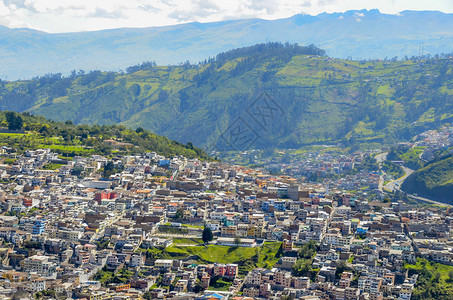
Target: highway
(428, 200)
(396, 184)
(380, 158)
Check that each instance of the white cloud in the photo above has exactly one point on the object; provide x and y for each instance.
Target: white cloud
(81, 15)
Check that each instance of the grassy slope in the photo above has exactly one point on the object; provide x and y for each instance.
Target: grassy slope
(433, 181)
(323, 100)
(268, 254)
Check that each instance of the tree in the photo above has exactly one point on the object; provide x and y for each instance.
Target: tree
(45, 130)
(179, 214)
(108, 169)
(15, 121)
(301, 267)
(436, 277)
(207, 234)
(308, 250)
(237, 241)
(450, 276)
(104, 244)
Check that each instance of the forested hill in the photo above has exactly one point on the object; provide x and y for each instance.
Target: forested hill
(26, 131)
(275, 95)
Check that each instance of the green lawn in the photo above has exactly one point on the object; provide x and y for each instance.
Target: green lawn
(75, 149)
(215, 253)
(265, 256)
(188, 225)
(12, 135)
(187, 241)
(52, 166)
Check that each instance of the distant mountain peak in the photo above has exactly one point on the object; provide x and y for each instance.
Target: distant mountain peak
(25, 53)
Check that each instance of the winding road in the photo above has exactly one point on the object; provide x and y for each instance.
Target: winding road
(396, 184)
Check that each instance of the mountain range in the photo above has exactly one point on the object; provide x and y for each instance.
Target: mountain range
(262, 96)
(25, 53)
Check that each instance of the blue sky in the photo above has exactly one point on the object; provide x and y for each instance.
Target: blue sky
(85, 15)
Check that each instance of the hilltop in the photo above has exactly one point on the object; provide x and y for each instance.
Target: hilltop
(25, 53)
(33, 132)
(279, 95)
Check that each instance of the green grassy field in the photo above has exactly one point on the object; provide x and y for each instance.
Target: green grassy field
(265, 256)
(187, 225)
(187, 241)
(12, 135)
(52, 166)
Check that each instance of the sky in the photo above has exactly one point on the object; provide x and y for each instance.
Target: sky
(86, 15)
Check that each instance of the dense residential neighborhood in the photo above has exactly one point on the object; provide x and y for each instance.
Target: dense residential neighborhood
(153, 227)
(226, 150)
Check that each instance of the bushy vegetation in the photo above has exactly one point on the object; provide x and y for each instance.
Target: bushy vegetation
(106, 277)
(70, 140)
(395, 170)
(303, 266)
(52, 166)
(435, 281)
(410, 156)
(207, 234)
(220, 284)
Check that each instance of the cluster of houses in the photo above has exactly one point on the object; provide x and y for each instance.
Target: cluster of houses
(69, 233)
(335, 170)
(435, 141)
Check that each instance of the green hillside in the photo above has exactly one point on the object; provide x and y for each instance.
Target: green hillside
(276, 95)
(70, 140)
(434, 181)
(410, 155)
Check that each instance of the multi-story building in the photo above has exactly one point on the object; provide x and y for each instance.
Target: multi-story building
(39, 264)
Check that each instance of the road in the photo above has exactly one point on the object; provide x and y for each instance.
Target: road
(428, 200)
(396, 184)
(380, 158)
